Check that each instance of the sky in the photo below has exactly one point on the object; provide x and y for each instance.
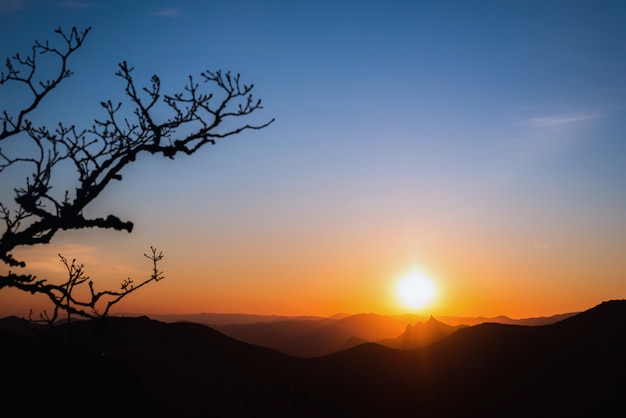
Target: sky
(481, 144)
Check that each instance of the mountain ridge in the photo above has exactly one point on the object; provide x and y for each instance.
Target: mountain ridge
(574, 367)
(220, 319)
(310, 338)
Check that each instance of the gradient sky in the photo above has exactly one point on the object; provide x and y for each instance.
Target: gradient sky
(482, 143)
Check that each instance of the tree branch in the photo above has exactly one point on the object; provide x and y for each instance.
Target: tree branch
(147, 122)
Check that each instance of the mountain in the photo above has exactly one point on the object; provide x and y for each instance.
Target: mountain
(20, 326)
(420, 334)
(222, 319)
(310, 338)
(146, 367)
(542, 320)
(575, 368)
(142, 367)
(219, 319)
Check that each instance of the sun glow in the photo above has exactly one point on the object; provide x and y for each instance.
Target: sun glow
(415, 290)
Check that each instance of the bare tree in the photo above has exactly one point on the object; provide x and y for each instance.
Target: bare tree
(201, 114)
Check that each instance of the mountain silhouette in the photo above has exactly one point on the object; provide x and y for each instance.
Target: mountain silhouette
(575, 367)
(420, 334)
(502, 319)
(311, 338)
(219, 319)
(142, 367)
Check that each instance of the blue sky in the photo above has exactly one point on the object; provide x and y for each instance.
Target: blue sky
(472, 139)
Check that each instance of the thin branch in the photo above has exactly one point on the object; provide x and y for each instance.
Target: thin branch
(17, 65)
(68, 296)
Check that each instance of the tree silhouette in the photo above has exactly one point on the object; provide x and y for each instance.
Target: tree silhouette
(42, 206)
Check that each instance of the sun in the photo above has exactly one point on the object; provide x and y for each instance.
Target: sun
(415, 290)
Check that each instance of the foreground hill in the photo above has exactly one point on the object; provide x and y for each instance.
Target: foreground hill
(145, 367)
(142, 367)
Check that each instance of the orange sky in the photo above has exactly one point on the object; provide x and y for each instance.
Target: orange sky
(344, 273)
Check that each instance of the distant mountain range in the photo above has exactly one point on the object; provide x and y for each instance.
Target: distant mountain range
(316, 336)
(141, 367)
(220, 319)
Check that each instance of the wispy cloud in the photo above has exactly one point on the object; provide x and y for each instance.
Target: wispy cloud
(560, 120)
(166, 13)
(551, 133)
(7, 6)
